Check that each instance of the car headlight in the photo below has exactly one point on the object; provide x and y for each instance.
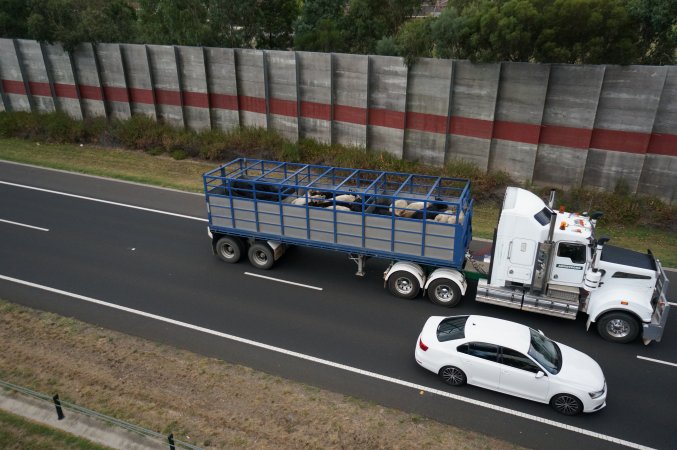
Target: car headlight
(597, 394)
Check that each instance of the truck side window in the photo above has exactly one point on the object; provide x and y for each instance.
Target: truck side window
(484, 351)
(517, 360)
(576, 252)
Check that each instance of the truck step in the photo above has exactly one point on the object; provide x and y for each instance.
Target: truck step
(564, 292)
(501, 297)
(550, 306)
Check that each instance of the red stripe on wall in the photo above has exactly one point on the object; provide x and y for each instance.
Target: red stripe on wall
(350, 114)
(566, 136)
(252, 104)
(166, 97)
(386, 118)
(426, 122)
(13, 87)
(116, 94)
(196, 99)
(40, 88)
(620, 141)
(314, 110)
(283, 107)
(141, 95)
(223, 101)
(91, 92)
(466, 126)
(517, 132)
(663, 144)
(65, 90)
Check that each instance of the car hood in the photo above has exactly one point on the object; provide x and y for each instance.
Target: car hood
(580, 369)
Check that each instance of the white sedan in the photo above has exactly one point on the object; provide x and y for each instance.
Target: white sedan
(511, 358)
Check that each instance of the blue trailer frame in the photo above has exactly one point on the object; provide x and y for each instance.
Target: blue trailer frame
(262, 200)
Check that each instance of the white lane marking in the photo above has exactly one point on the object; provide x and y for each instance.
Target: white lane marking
(23, 225)
(66, 194)
(283, 281)
(325, 362)
(657, 361)
(672, 303)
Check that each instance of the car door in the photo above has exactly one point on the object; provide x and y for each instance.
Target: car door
(481, 361)
(518, 376)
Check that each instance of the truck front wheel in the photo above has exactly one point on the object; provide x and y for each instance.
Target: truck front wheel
(261, 256)
(618, 327)
(444, 292)
(403, 284)
(229, 249)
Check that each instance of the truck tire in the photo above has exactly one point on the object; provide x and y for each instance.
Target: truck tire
(403, 284)
(261, 256)
(229, 249)
(444, 292)
(618, 327)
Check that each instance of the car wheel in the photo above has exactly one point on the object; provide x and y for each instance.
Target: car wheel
(229, 249)
(453, 376)
(261, 256)
(444, 292)
(566, 404)
(403, 284)
(618, 327)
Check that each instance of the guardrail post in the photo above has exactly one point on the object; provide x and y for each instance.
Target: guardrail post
(170, 439)
(57, 403)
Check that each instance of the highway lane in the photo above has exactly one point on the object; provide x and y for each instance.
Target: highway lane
(161, 264)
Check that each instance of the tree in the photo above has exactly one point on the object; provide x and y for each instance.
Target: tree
(414, 39)
(13, 18)
(177, 22)
(318, 29)
(658, 30)
(276, 26)
(234, 23)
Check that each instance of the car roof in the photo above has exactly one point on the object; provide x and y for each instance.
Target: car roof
(499, 332)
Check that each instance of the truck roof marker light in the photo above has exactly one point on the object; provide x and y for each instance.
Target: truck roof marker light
(563, 225)
(561, 209)
(624, 302)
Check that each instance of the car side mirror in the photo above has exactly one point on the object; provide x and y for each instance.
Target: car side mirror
(540, 374)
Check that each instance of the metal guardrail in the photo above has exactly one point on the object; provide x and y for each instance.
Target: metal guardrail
(62, 405)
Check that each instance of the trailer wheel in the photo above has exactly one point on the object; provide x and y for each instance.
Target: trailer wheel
(403, 284)
(229, 249)
(261, 256)
(444, 292)
(618, 327)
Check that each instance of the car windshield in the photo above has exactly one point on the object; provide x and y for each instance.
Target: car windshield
(546, 352)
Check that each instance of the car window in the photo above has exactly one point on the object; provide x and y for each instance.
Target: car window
(451, 328)
(545, 351)
(482, 350)
(515, 359)
(576, 252)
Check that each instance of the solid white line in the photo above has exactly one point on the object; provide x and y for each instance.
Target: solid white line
(657, 361)
(283, 281)
(325, 362)
(672, 303)
(24, 225)
(158, 211)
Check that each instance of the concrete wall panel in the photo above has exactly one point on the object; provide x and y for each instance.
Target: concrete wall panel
(13, 86)
(315, 94)
(222, 87)
(472, 112)
(251, 85)
(387, 104)
(59, 64)
(428, 102)
(195, 95)
(282, 93)
(165, 76)
(112, 73)
(350, 99)
(30, 56)
(568, 120)
(92, 94)
(139, 81)
(625, 116)
(519, 113)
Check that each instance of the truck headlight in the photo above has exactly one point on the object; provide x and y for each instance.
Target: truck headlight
(597, 394)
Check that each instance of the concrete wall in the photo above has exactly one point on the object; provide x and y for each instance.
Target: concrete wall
(552, 124)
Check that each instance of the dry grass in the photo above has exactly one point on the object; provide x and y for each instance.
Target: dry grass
(201, 400)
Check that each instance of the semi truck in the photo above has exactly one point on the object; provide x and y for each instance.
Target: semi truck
(542, 259)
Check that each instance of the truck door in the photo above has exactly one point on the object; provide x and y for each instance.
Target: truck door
(568, 265)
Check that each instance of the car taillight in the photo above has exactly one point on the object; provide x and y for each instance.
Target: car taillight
(421, 345)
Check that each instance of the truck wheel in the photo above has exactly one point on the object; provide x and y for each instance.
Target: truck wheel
(229, 249)
(403, 284)
(261, 256)
(444, 292)
(618, 327)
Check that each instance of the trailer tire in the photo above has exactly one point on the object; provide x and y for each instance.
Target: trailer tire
(261, 256)
(229, 249)
(444, 292)
(618, 327)
(403, 284)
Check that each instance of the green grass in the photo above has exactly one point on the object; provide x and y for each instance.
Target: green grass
(19, 433)
(185, 174)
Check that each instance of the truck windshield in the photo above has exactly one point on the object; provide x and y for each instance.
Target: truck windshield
(546, 352)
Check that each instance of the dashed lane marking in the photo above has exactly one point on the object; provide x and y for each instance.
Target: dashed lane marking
(24, 225)
(657, 361)
(283, 281)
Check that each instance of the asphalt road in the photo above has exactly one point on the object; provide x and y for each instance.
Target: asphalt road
(351, 337)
